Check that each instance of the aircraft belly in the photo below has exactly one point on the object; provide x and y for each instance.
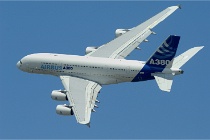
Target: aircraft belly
(109, 80)
(103, 79)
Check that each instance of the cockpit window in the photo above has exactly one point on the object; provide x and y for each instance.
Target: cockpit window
(21, 62)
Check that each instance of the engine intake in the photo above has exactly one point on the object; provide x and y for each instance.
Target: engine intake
(119, 32)
(59, 95)
(64, 110)
(90, 49)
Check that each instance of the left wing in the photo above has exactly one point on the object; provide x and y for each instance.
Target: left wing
(82, 95)
(123, 45)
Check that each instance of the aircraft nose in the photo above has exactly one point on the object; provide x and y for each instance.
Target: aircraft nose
(18, 64)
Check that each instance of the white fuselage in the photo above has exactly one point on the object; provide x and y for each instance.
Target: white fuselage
(100, 70)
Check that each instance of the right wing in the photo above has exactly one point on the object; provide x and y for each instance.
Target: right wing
(123, 45)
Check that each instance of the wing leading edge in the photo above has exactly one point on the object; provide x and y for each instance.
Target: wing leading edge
(123, 45)
(82, 95)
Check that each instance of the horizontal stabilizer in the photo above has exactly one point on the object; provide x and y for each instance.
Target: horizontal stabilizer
(180, 60)
(164, 81)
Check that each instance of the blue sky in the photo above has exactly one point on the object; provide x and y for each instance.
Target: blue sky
(128, 110)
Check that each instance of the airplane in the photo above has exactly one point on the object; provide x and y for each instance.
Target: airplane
(84, 76)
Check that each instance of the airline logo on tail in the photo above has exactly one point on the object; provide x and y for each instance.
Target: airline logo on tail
(161, 58)
(165, 53)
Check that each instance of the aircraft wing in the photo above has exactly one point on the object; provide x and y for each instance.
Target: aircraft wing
(123, 45)
(82, 95)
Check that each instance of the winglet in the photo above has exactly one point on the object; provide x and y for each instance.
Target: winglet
(180, 6)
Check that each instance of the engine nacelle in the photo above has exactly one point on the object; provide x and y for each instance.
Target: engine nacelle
(64, 110)
(59, 95)
(119, 32)
(90, 49)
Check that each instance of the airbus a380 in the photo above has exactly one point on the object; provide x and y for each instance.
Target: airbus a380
(83, 76)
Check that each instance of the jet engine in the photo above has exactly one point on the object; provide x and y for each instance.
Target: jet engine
(90, 49)
(59, 95)
(64, 110)
(119, 32)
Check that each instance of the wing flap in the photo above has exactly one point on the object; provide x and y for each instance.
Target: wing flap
(94, 88)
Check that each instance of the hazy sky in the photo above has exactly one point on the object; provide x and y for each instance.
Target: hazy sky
(128, 110)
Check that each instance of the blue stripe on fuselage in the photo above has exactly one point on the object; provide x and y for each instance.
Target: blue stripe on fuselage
(145, 73)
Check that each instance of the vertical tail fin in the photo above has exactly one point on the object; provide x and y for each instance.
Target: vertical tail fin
(162, 58)
(165, 53)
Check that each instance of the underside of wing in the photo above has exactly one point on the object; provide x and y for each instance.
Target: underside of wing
(82, 95)
(123, 45)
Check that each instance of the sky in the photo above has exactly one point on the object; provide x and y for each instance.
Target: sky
(128, 110)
